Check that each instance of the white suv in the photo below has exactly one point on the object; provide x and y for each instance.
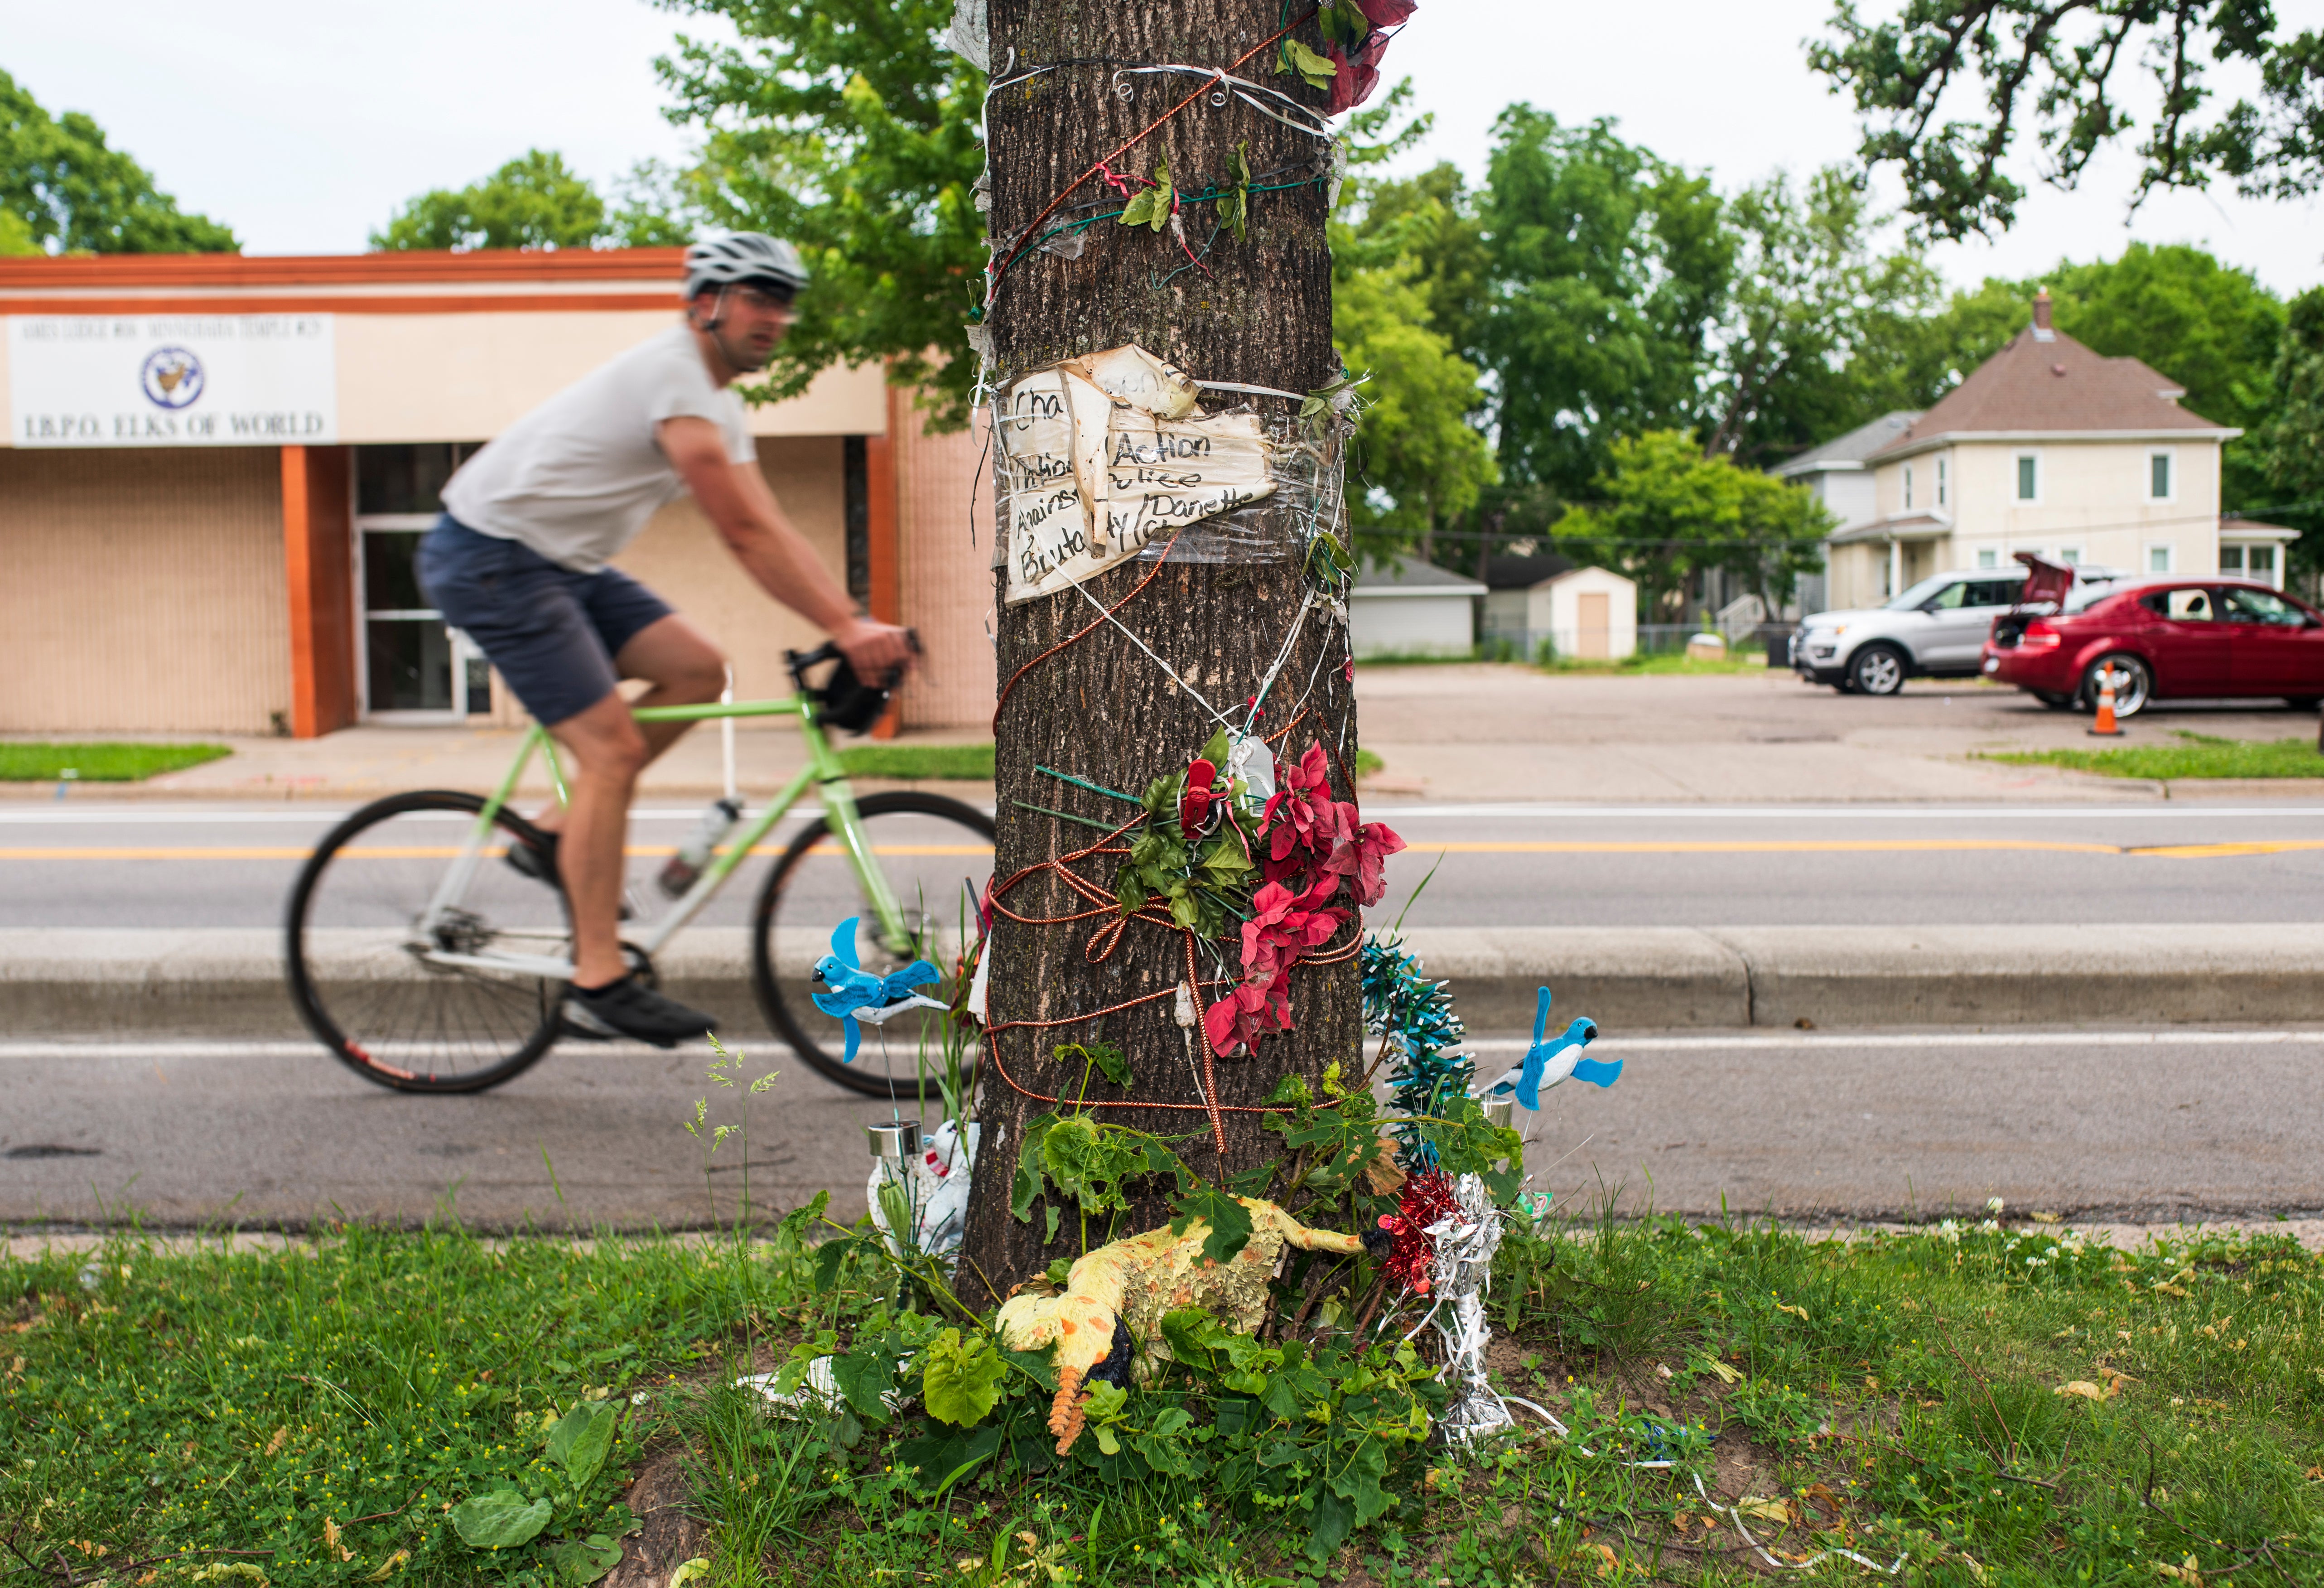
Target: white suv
(1935, 630)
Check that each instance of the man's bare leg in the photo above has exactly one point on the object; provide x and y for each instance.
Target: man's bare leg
(609, 748)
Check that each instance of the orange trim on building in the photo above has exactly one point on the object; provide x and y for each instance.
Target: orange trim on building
(400, 267)
(655, 300)
(883, 545)
(318, 542)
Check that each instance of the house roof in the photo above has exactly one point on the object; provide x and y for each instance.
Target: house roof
(1523, 573)
(1408, 575)
(2251, 528)
(2046, 384)
(1914, 526)
(1849, 452)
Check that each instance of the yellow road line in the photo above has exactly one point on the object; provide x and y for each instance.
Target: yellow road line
(1556, 846)
(426, 852)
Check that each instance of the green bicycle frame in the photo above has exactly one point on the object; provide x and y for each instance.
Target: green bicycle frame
(823, 772)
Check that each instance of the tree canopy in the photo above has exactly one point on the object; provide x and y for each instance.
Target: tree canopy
(2058, 69)
(537, 201)
(2291, 444)
(64, 187)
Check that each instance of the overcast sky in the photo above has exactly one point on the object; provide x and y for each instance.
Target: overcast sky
(304, 127)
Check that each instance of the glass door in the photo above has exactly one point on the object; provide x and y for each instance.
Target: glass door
(416, 669)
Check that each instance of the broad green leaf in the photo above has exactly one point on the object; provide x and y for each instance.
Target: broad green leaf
(1109, 1061)
(1216, 748)
(1056, 1213)
(1229, 1222)
(579, 1441)
(1317, 69)
(865, 1375)
(501, 1520)
(1342, 22)
(960, 1383)
(699, 1567)
(1108, 1440)
(578, 1561)
(1333, 1518)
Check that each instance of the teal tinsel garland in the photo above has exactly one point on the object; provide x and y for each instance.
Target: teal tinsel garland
(1424, 1071)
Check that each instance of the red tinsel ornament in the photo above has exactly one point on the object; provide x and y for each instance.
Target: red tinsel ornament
(1427, 1198)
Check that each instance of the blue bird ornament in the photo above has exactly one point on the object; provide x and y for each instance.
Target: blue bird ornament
(852, 995)
(1549, 1061)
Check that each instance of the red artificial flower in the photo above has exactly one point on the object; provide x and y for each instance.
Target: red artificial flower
(1347, 667)
(1259, 1005)
(1362, 859)
(1386, 14)
(1357, 75)
(1199, 805)
(1288, 925)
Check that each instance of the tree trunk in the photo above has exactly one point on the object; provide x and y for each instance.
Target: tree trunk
(1100, 709)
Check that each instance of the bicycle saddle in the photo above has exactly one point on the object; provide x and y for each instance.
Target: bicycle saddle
(842, 700)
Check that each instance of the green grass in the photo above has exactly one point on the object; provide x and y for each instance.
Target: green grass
(2197, 755)
(1661, 664)
(33, 761)
(1899, 1394)
(1368, 761)
(969, 762)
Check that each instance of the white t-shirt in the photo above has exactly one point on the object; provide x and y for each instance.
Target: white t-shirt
(578, 477)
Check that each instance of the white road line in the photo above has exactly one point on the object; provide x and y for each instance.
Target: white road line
(1888, 1040)
(115, 817)
(1797, 1041)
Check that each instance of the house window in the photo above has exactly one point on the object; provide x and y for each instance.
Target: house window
(2071, 556)
(1908, 488)
(2158, 559)
(2231, 559)
(1940, 485)
(2029, 477)
(1986, 557)
(2158, 476)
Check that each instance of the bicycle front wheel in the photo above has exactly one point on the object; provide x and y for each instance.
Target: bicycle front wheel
(936, 854)
(361, 946)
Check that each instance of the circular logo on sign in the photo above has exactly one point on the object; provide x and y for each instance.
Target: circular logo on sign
(173, 377)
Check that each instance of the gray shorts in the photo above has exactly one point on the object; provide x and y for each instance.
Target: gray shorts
(553, 634)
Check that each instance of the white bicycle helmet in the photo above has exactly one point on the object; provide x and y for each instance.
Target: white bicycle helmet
(764, 262)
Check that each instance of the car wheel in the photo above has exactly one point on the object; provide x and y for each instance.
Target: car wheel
(2052, 699)
(1877, 669)
(2134, 685)
(2302, 702)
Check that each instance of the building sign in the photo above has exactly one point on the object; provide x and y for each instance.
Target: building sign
(232, 380)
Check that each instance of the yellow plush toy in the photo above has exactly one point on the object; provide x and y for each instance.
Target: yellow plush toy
(1119, 1294)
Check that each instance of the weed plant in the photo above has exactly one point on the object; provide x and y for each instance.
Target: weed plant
(2194, 755)
(26, 760)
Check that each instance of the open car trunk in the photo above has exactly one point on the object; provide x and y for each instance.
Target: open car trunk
(2047, 586)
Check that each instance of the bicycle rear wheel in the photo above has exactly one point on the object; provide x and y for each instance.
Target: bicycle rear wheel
(355, 952)
(937, 857)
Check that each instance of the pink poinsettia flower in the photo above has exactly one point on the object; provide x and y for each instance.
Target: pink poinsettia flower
(1357, 74)
(1258, 1006)
(1386, 14)
(1362, 859)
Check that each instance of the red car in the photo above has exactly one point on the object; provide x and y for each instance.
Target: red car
(2200, 638)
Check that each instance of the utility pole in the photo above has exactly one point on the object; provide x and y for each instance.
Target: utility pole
(1254, 311)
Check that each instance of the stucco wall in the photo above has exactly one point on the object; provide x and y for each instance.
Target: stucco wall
(143, 591)
(1412, 625)
(945, 535)
(2093, 499)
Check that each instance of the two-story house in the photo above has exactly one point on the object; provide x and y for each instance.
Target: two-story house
(2047, 448)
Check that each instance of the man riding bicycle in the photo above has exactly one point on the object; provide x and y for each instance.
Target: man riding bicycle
(519, 563)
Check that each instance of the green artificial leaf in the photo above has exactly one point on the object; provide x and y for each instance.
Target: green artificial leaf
(579, 1441)
(1216, 748)
(864, 1376)
(501, 1520)
(960, 1383)
(1341, 22)
(1228, 1220)
(1318, 70)
(577, 1561)
(1152, 206)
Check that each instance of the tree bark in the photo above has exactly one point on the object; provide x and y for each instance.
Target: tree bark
(1100, 709)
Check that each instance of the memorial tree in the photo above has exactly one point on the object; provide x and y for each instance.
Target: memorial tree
(1179, 871)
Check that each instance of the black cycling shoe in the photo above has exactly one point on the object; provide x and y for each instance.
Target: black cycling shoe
(537, 862)
(628, 1008)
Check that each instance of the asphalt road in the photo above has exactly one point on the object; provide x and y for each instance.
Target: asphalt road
(2142, 1126)
(155, 865)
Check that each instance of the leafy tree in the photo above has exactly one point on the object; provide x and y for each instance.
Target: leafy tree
(16, 239)
(1419, 461)
(846, 127)
(2291, 442)
(66, 187)
(1610, 266)
(654, 206)
(1819, 334)
(2055, 66)
(1667, 513)
(1431, 220)
(534, 201)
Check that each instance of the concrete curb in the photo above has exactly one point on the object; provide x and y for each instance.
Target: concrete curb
(230, 983)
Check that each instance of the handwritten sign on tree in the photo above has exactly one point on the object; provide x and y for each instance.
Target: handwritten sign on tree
(1103, 456)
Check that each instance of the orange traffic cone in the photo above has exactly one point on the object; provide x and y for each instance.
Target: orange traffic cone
(2106, 726)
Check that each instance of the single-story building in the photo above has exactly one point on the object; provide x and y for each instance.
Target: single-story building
(1589, 614)
(1508, 582)
(1408, 607)
(214, 471)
